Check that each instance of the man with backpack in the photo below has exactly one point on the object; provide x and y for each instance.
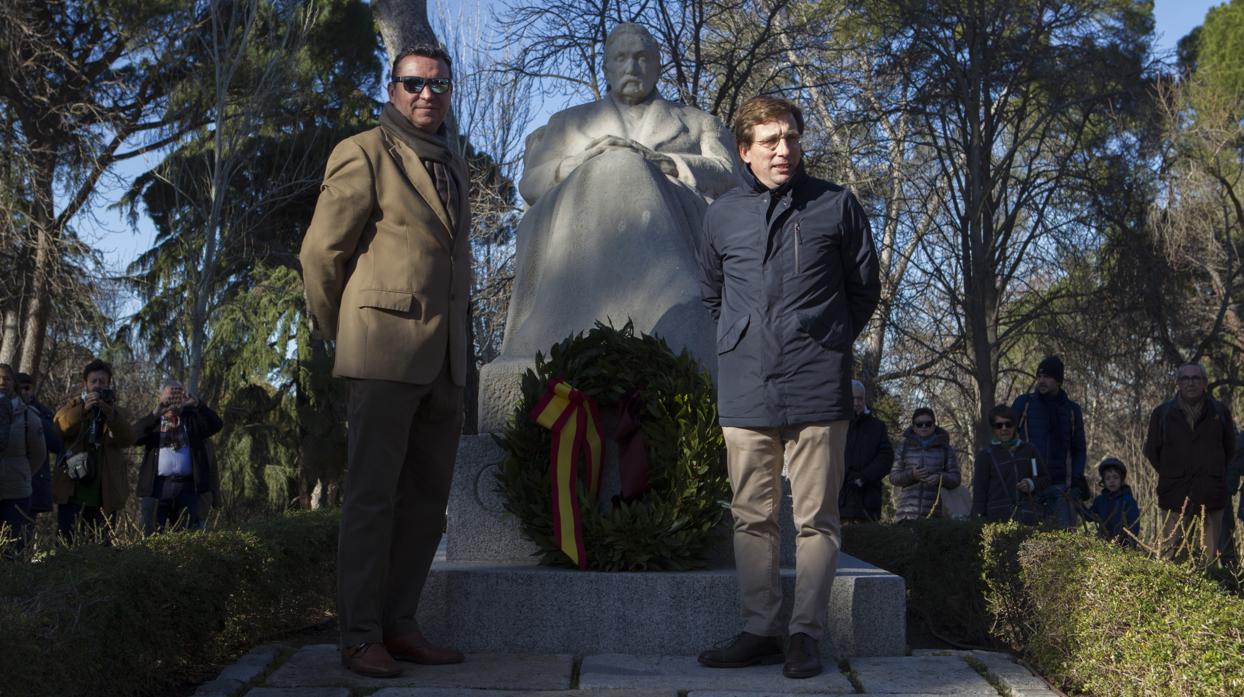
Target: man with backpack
(1054, 425)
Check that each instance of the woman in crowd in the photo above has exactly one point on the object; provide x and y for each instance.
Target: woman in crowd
(1007, 474)
(23, 445)
(924, 466)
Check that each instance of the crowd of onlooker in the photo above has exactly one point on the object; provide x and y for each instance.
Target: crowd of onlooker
(74, 460)
(1033, 470)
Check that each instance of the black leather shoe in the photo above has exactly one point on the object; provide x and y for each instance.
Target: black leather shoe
(744, 650)
(803, 657)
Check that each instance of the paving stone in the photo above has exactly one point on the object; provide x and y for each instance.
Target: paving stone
(938, 675)
(685, 673)
(452, 692)
(320, 666)
(1018, 679)
(299, 692)
(220, 687)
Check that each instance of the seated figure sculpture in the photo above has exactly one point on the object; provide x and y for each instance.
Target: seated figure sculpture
(617, 190)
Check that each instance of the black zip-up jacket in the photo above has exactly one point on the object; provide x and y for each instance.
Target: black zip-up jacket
(201, 423)
(868, 458)
(791, 278)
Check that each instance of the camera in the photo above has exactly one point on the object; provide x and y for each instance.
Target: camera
(103, 394)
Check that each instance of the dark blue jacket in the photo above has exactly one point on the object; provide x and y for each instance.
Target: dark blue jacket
(1055, 427)
(791, 278)
(41, 482)
(1118, 512)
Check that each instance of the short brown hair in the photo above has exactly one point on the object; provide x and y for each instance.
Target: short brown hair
(758, 110)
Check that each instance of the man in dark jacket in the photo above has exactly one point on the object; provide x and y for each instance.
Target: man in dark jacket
(41, 482)
(869, 457)
(789, 273)
(1054, 425)
(177, 465)
(1191, 439)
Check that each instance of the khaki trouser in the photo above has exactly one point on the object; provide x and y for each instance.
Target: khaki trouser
(1177, 529)
(754, 456)
(403, 440)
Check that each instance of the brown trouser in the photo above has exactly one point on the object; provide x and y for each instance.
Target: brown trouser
(1177, 531)
(402, 443)
(814, 455)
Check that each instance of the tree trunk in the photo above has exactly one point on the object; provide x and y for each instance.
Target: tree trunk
(12, 335)
(402, 23)
(43, 222)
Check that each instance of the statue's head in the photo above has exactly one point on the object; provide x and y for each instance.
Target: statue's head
(632, 62)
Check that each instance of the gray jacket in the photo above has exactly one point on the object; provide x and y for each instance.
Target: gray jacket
(791, 278)
(922, 498)
(25, 445)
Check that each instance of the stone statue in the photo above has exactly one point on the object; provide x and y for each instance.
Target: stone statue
(617, 190)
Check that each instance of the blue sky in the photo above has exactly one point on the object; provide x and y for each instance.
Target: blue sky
(121, 243)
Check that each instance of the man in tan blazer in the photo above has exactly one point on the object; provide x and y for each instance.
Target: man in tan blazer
(387, 268)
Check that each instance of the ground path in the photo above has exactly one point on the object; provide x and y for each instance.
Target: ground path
(315, 671)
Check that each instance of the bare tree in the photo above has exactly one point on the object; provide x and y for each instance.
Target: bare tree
(402, 23)
(492, 107)
(79, 83)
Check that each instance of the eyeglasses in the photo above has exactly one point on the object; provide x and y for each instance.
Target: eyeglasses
(771, 144)
(922, 424)
(1189, 378)
(999, 425)
(415, 85)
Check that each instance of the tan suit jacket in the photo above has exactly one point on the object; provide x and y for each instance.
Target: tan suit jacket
(386, 274)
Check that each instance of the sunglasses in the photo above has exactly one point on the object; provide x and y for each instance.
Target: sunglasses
(415, 85)
(922, 424)
(999, 425)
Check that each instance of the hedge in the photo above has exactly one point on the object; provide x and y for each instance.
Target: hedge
(1107, 621)
(1092, 617)
(142, 618)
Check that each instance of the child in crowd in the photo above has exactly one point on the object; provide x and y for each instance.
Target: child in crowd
(1115, 509)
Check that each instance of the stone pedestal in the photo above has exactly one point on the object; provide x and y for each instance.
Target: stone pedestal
(489, 595)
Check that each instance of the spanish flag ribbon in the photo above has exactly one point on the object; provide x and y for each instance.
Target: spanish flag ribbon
(574, 419)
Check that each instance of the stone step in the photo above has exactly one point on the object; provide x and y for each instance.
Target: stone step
(488, 596)
(488, 607)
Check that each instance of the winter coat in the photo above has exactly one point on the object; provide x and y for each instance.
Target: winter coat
(41, 484)
(1054, 425)
(114, 465)
(869, 457)
(1191, 463)
(997, 471)
(201, 423)
(24, 452)
(1117, 512)
(916, 498)
(790, 277)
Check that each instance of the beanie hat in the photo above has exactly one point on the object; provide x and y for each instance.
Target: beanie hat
(1051, 366)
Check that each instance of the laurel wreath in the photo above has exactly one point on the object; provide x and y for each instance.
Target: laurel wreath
(669, 527)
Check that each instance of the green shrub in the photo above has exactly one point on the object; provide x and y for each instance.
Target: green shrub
(139, 619)
(941, 561)
(1008, 606)
(1108, 621)
(1091, 616)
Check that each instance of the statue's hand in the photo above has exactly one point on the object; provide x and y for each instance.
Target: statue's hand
(604, 144)
(665, 163)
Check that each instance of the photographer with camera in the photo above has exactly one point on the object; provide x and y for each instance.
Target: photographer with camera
(90, 483)
(177, 465)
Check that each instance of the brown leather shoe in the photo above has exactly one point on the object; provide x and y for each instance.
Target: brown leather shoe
(803, 657)
(417, 649)
(371, 660)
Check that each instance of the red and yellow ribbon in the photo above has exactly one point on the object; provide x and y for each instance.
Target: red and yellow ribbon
(574, 419)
